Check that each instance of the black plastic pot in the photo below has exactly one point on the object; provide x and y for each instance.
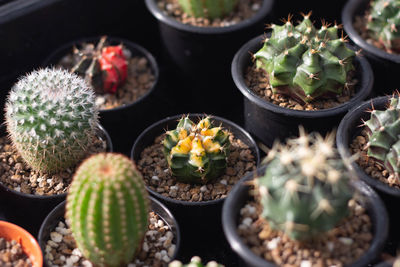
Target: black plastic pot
(240, 194)
(200, 221)
(385, 65)
(126, 122)
(57, 215)
(28, 210)
(348, 129)
(268, 121)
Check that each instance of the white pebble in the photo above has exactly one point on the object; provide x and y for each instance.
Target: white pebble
(155, 178)
(163, 252)
(171, 250)
(165, 258)
(87, 263)
(100, 100)
(160, 223)
(49, 256)
(77, 252)
(346, 240)
(255, 7)
(52, 244)
(330, 246)
(169, 235)
(165, 170)
(131, 265)
(273, 243)
(62, 258)
(157, 255)
(247, 221)
(48, 248)
(174, 187)
(63, 230)
(305, 264)
(49, 181)
(61, 224)
(203, 188)
(145, 247)
(18, 189)
(56, 237)
(224, 182)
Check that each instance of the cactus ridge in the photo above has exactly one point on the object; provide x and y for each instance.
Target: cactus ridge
(196, 153)
(210, 9)
(305, 189)
(108, 207)
(304, 62)
(51, 119)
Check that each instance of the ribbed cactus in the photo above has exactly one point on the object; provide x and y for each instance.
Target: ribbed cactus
(196, 153)
(383, 129)
(51, 119)
(107, 207)
(384, 23)
(208, 8)
(305, 189)
(304, 62)
(195, 262)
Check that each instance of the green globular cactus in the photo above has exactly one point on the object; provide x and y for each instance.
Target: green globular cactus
(210, 9)
(51, 119)
(196, 153)
(383, 129)
(383, 23)
(107, 208)
(304, 62)
(306, 187)
(195, 262)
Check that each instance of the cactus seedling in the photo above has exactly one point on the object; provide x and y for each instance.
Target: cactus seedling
(195, 262)
(383, 23)
(107, 207)
(306, 63)
(305, 189)
(51, 119)
(104, 67)
(210, 9)
(196, 153)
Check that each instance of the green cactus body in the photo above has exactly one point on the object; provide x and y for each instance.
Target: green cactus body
(383, 129)
(107, 207)
(305, 189)
(196, 153)
(304, 62)
(210, 9)
(195, 262)
(384, 23)
(51, 119)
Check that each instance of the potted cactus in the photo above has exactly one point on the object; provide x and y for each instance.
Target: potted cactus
(303, 204)
(107, 210)
(374, 26)
(300, 75)
(52, 125)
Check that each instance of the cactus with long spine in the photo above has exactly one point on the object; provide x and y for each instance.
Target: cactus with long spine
(383, 23)
(195, 262)
(196, 153)
(210, 9)
(305, 189)
(51, 119)
(304, 62)
(107, 207)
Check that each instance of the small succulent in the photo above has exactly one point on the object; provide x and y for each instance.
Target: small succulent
(195, 262)
(107, 208)
(306, 187)
(51, 119)
(304, 62)
(196, 153)
(210, 9)
(383, 129)
(383, 23)
(104, 67)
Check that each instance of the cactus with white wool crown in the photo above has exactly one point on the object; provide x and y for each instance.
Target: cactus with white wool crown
(306, 187)
(51, 119)
(210, 9)
(195, 262)
(383, 23)
(383, 130)
(304, 62)
(107, 207)
(196, 153)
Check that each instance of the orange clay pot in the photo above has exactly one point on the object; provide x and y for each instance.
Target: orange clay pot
(28, 243)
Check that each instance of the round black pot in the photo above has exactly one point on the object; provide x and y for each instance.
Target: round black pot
(268, 121)
(126, 122)
(28, 210)
(57, 215)
(385, 65)
(200, 221)
(348, 129)
(240, 195)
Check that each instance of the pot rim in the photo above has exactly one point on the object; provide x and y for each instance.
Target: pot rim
(132, 46)
(348, 13)
(343, 138)
(243, 55)
(229, 216)
(264, 10)
(176, 118)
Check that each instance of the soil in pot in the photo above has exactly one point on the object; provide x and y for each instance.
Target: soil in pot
(11, 254)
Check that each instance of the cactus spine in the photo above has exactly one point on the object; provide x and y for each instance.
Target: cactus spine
(51, 119)
(195, 262)
(108, 207)
(304, 62)
(305, 189)
(210, 9)
(196, 153)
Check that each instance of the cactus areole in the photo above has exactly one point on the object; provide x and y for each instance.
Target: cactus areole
(210, 9)
(104, 67)
(306, 63)
(196, 153)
